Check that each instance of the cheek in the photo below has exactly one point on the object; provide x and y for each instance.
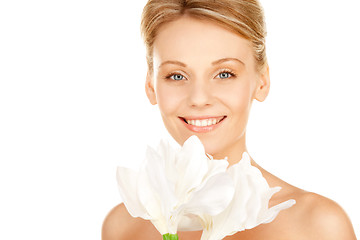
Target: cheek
(242, 103)
(168, 98)
(238, 98)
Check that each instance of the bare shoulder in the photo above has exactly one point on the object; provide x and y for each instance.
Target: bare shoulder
(322, 218)
(312, 217)
(115, 223)
(120, 225)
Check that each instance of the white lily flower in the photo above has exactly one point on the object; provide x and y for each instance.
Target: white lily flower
(248, 208)
(173, 186)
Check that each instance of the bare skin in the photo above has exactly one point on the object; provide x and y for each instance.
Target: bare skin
(212, 72)
(313, 217)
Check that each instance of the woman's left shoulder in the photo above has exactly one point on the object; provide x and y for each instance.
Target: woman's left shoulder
(322, 218)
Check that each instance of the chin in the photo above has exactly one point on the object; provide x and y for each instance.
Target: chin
(212, 145)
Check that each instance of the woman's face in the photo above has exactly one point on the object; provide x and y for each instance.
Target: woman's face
(204, 81)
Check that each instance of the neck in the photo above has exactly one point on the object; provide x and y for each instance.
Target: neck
(233, 152)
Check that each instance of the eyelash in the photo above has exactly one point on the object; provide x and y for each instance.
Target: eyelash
(231, 73)
(169, 76)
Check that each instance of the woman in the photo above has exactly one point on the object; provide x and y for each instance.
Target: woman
(206, 64)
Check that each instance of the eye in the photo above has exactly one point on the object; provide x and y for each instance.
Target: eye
(176, 77)
(225, 75)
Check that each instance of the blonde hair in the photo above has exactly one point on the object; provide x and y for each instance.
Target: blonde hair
(244, 17)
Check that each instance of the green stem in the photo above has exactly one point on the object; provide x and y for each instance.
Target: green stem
(169, 236)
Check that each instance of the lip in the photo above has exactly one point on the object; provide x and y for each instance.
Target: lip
(201, 117)
(204, 129)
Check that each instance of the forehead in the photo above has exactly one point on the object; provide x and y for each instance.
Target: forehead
(192, 40)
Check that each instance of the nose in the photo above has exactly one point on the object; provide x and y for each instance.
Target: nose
(199, 94)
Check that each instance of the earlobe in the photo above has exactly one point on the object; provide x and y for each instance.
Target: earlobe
(149, 89)
(263, 87)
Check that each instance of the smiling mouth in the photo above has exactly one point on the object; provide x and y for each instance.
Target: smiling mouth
(203, 122)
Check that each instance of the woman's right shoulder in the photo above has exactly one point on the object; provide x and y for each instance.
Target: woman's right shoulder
(117, 223)
(120, 225)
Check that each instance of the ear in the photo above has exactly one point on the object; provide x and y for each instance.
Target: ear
(149, 88)
(263, 86)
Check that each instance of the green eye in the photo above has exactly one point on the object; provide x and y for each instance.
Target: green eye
(177, 77)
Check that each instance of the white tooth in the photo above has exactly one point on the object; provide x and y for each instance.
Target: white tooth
(204, 123)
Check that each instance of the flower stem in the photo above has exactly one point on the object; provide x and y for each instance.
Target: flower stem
(169, 236)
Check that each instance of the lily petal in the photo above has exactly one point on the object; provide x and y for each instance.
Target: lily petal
(167, 152)
(190, 222)
(152, 203)
(207, 199)
(248, 208)
(173, 186)
(216, 166)
(127, 185)
(191, 165)
(161, 186)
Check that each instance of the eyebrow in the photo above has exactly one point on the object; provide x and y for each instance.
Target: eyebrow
(173, 62)
(213, 63)
(226, 60)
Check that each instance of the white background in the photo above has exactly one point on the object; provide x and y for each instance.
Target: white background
(73, 107)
